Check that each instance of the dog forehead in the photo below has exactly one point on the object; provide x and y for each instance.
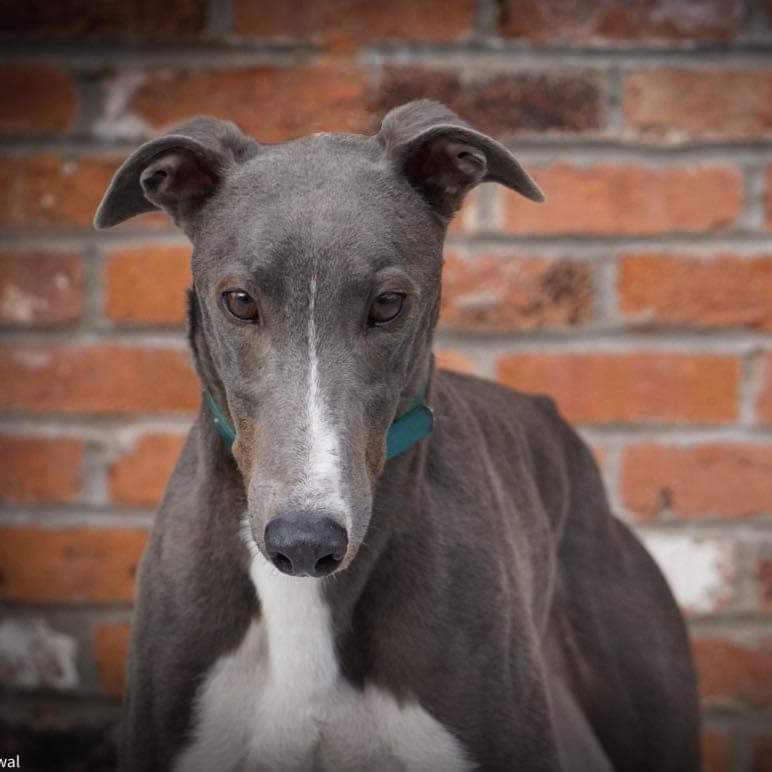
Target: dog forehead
(320, 161)
(324, 195)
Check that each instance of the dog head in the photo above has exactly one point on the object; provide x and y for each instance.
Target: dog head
(316, 285)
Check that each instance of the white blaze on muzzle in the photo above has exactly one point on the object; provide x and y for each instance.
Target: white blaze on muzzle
(322, 476)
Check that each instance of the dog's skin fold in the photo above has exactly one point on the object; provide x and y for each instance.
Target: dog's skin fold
(486, 582)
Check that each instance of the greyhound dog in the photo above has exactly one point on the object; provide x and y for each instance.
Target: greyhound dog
(362, 562)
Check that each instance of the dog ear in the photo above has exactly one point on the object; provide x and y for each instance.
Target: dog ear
(177, 172)
(444, 158)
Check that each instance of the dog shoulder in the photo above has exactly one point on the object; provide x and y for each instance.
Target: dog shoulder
(530, 428)
(535, 415)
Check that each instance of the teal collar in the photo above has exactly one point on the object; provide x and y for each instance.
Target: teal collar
(411, 427)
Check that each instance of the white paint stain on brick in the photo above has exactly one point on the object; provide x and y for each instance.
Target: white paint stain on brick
(118, 122)
(700, 570)
(33, 360)
(18, 305)
(34, 655)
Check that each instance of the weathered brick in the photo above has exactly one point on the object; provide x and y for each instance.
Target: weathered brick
(678, 290)
(453, 360)
(104, 19)
(492, 292)
(715, 480)
(39, 469)
(347, 22)
(327, 97)
(763, 576)
(147, 285)
(499, 103)
(654, 21)
(41, 565)
(701, 570)
(33, 655)
(37, 99)
(764, 399)
(100, 379)
(612, 198)
(732, 673)
(682, 104)
(40, 288)
(630, 387)
(716, 752)
(769, 196)
(111, 647)
(49, 190)
(138, 478)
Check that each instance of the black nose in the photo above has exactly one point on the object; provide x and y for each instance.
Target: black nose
(305, 543)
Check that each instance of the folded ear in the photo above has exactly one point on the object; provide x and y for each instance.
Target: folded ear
(177, 172)
(444, 158)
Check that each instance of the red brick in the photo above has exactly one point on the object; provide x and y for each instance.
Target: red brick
(723, 291)
(610, 198)
(326, 97)
(728, 481)
(762, 753)
(111, 647)
(40, 288)
(104, 19)
(49, 190)
(502, 103)
(453, 360)
(636, 387)
(138, 478)
(764, 400)
(499, 293)
(578, 21)
(37, 99)
(732, 673)
(38, 565)
(147, 285)
(764, 580)
(99, 379)
(716, 752)
(38, 469)
(704, 104)
(346, 22)
(769, 196)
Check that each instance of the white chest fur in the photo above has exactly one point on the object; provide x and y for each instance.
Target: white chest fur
(278, 701)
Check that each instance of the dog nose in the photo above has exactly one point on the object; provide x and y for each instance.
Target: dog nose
(305, 543)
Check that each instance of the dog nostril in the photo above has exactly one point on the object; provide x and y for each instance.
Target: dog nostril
(326, 565)
(282, 562)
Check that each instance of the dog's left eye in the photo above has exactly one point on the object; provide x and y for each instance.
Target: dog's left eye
(385, 308)
(241, 305)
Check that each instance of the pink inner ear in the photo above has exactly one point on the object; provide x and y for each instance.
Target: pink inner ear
(468, 160)
(174, 178)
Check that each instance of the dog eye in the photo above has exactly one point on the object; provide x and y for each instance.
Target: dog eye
(241, 305)
(385, 308)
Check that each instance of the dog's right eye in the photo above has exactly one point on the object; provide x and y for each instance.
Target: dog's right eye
(241, 305)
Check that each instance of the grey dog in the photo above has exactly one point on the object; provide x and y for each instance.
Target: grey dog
(362, 562)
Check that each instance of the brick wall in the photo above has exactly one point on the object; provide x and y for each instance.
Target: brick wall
(640, 295)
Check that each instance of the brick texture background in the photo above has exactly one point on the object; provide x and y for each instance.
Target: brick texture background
(639, 295)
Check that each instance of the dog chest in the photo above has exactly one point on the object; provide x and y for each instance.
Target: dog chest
(278, 701)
